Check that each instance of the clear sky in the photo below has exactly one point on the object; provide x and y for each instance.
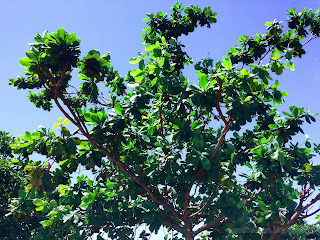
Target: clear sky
(114, 26)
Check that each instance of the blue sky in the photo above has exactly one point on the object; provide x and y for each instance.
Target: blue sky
(114, 26)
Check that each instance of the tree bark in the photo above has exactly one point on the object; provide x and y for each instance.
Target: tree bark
(190, 235)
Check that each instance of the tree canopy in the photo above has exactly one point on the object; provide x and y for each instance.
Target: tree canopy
(208, 158)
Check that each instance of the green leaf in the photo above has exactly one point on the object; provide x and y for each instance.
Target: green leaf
(53, 203)
(262, 206)
(163, 40)
(25, 62)
(247, 99)
(205, 163)
(226, 63)
(46, 223)
(291, 66)
(118, 109)
(28, 168)
(28, 137)
(150, 47)
(273, 126)
(135, 72)
(276, 54)
(36, 135)
(307, 166)
(145, 138)
(203, 81)
(295, 112)
(40, 208)
(134, 60)
(38, 202)
(61, 33)
(22, 193)
(65, 132)
(288, 55)
(83, 77)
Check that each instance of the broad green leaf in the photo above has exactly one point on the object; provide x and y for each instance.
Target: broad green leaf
(118, 109)
(145, 138)
(273, 126)
(28, 137)
(14, 160)
(288, 55)
(22, 193)
(83, 77)
(291, 66)
(203, 81)
(163, 40)
(150, 47)
(46, 223)
(262, 206)
(53, 203)
(40, 208)
(247, 99)
(307, 166)
(295, 112)
(38, 202)
(134, 60)
(276, 54)
(28, 168)
(226, 63)
(135, 72)
(205, 163)
(36, 135)
(61, 33)
(25, 62)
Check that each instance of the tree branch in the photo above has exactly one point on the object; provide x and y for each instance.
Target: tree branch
(205, 203)
(221, 138)
(218, 101)
(215, 223)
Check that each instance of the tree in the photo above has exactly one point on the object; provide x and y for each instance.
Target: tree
(12, 182)
(164, 151)
(303, 231)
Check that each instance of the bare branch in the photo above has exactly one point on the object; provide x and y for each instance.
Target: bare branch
(221, 138)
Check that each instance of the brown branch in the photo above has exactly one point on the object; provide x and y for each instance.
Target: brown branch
(311, 38)
(186, 218)
(44, 82)
(205, 203)
(63, 76)
(173, 225)
(218, 101)
(106, 172)
(215, 223)
(221, 138)
(261, 189)
(294, 219)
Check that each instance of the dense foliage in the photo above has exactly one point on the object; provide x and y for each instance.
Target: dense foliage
(165, 151)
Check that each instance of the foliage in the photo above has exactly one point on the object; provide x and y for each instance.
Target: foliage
(164, 151)
(12, 182)
(304, 232)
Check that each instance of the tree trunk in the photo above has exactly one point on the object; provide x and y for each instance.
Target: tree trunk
(190, 235)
